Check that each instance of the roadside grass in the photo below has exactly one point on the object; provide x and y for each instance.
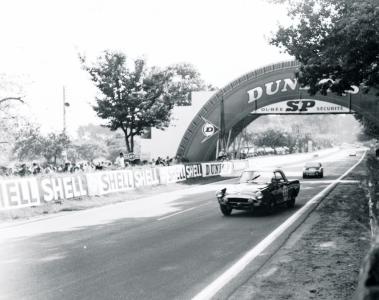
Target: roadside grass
(87, 202)
(368, 286)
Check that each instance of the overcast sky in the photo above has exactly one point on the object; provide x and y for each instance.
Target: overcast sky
(40, 42)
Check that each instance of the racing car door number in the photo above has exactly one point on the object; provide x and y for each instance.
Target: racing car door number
(285, 193)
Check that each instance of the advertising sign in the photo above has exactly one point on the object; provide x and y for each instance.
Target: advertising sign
(239, 165)
(211, 169)
(145, 177)
(284, 85)
(17, 193)
(304, 106)
(226, 168)
(171, 174)
(193, 170)
(209, 129)
(60, 188)
(101, 183)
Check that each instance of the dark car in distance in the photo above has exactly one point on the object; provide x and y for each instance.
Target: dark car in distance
(313, 169)
(255, 189)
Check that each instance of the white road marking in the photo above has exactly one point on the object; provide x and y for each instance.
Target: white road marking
(180, 212)
(211, 290)
(328, 181)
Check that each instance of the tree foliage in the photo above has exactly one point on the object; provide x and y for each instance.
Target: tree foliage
(138, 97)
(105, 143)
(92, 132)
(89, 151)
(333, 39)
(271, 138)
(31, 144)
(370, 130)
(54, 145)
(28, 144)
(292, 138)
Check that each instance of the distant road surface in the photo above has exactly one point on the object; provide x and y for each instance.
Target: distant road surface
(169, 246)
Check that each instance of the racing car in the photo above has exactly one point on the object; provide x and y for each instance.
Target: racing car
(256, 189)
(313, 169)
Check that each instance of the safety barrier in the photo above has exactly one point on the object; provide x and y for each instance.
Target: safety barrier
(34, 191)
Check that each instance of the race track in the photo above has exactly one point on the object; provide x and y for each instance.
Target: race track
(168, 246)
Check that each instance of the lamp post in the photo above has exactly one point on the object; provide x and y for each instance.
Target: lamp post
(65, 105)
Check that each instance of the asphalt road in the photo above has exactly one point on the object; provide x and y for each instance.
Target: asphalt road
(169, 246)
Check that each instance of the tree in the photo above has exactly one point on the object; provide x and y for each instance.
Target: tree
(92, 132)
(29, 144)
(133, 99)
(13, 114)
(370, 130)
(89, 151)
(100, 141)
(184, 79)
(54, 145)
(333, 39)
(271, 138)
(337, 43)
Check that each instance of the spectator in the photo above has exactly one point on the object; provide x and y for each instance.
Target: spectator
(67, 167)
(24, 170)
(36, 169)
(158, 161)
(48, 169)
(120, 161)
(221, 155)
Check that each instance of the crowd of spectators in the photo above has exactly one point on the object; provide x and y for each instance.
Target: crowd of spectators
(121, 162)
(25, 169)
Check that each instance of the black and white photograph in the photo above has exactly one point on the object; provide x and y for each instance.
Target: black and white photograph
(189, 150)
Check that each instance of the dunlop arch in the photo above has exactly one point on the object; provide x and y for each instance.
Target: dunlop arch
(258, 92)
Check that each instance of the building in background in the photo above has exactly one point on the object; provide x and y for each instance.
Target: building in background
(165, 143)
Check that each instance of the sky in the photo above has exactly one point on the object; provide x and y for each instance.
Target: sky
(41, 39)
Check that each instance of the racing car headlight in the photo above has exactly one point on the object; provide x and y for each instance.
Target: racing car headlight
(259, 195)
(219, 194)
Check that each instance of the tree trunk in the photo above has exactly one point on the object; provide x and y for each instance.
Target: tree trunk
(132, 142)
(127, 142)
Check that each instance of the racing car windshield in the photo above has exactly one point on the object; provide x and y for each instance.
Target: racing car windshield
(256, 177)
(312, 165)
